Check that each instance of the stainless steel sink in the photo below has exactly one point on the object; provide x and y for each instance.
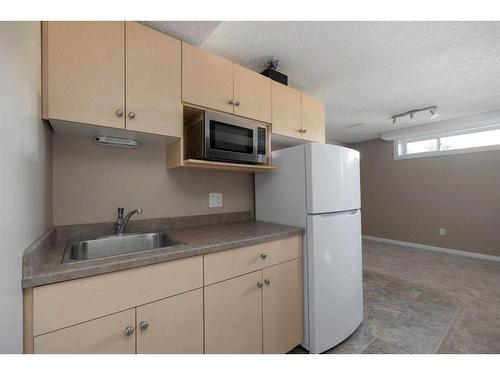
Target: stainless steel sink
(115, 245)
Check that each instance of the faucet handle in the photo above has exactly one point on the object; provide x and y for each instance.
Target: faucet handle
(139, 211)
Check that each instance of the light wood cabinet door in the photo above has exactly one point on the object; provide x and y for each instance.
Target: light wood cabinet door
(233, 315)
(286, 113)
(172, 326)
(252, 94)
(313, 119)
(207, 79)
(153, 81)
(282, 307)
(104, 335)
(83, 72)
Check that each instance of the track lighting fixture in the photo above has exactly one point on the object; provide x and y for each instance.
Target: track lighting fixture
(433, 111)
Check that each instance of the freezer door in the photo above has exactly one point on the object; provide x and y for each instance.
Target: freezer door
(334, 273)
(332, 178)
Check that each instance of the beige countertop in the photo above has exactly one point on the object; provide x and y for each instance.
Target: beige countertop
(42, 260)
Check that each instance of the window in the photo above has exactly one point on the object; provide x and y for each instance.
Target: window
(416, 147)
(448, 143)
(478, 139)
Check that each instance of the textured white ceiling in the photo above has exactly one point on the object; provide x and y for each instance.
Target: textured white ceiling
(367, 71)
(193, 32)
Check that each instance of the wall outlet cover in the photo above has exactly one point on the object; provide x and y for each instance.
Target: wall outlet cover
(442, 231)
(214, 200)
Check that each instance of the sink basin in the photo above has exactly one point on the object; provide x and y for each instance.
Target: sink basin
(115, 245)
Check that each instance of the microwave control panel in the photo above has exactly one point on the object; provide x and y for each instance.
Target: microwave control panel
(261, 141)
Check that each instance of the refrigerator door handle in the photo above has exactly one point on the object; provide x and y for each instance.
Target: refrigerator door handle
(338, 213)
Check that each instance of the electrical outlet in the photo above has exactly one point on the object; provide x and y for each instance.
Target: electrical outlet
(214, 200)
(442, 231)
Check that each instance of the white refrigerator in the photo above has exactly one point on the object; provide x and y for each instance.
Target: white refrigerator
(317, 187)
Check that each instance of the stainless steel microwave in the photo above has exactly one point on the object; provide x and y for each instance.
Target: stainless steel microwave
(215, 136)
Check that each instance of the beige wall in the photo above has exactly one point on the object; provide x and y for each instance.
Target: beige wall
(332, 141)
(409, 200)
(91, 181)
(25, 165)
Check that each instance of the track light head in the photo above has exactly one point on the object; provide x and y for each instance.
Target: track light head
(434, 113)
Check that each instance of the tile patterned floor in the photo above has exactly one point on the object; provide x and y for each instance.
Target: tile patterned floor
(418, 301)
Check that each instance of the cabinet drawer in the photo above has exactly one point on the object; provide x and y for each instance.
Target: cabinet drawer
(60, 305)
(103, 335)
(231, 263)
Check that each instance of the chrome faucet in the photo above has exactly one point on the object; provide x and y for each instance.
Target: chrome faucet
(121, 222)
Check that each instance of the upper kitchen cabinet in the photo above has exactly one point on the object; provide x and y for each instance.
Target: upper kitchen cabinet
(213, 82)
(252, 94)
(153, 81)
(207, 79)
(313, 119)
(112, 74)
(83, 72)
(297, 115)
(286, 109)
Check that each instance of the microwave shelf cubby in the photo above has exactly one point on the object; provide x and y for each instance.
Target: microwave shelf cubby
(179, 153)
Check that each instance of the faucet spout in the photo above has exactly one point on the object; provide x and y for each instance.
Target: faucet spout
(121, 223)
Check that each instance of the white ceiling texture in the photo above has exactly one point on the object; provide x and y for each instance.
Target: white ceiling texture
(367, 71)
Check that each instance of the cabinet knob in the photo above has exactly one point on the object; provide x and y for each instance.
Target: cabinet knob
(267, 281)
(237, 103)
(119, 113)
(299, 130)
(260, 284)
(230, 101)
(131, 115)
(129, 331)
(304, 130)
(144, 324)
(263, 255)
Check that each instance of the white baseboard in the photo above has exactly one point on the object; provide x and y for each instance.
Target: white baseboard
(435, 248)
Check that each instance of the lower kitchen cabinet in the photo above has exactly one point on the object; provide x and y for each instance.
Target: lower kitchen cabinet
(244, 300)
(233, 315)
(110, 334)
(282, 307)
(260, 312)
(173, 325)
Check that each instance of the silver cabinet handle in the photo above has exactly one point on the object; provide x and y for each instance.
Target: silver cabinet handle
(260, 284)
(129, 331)
(131, 115)
(144, 324)
(119, 113)
(230, 101)
(237, 103)
(263, 255)
(267, 281)
(299, 130)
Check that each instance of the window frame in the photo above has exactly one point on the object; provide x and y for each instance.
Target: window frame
(402, 142)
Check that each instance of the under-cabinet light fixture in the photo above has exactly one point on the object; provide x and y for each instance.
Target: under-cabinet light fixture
(103, 140)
